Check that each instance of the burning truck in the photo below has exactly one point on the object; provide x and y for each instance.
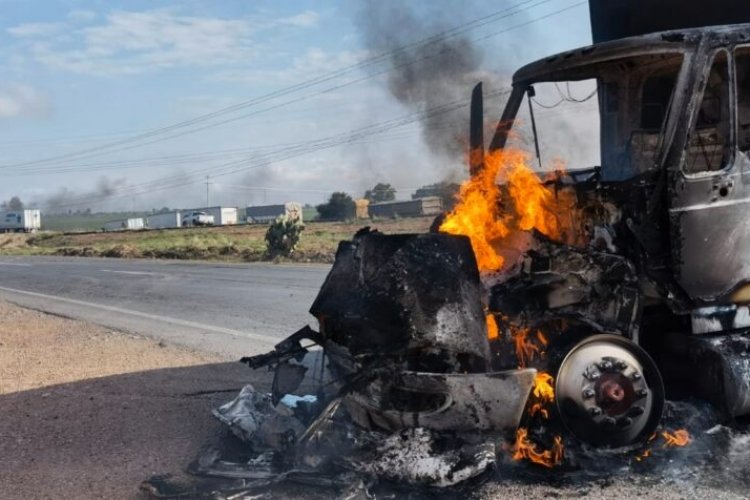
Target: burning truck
(547, 306)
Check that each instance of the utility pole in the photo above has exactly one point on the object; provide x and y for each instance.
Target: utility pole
(207, 185)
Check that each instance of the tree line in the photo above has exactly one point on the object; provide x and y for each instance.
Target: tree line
(341, 206)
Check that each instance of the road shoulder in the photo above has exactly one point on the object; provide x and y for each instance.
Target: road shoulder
(88, 412)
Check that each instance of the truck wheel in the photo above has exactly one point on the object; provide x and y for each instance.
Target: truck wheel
(609, 392)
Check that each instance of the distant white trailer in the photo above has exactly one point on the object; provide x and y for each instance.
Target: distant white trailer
(268, 213)
(124, 224)
(20, 221)
(164, 220)
(223, 216)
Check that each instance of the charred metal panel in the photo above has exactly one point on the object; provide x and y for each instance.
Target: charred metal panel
(708, 196)
(488, 402)
(417, 298)
(613, 19)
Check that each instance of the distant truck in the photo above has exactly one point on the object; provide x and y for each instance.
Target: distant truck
(222, 216)
(429, 205)
(164, 220)
(131, 224)
(20, 221)
(268, 213)
(197, 218)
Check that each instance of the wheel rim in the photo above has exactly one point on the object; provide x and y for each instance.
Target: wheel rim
(609, 392)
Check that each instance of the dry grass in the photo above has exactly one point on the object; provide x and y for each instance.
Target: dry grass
(229, 243)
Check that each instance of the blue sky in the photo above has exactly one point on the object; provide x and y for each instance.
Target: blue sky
(78, 75)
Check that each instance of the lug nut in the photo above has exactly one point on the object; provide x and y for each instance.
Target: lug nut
(605, 365)
(624, 422)
(641, 393)
(591, 373)
(636, 376)
(595, 411)
(621, 365)
(588, 393)
(608, 422)
(636, 411)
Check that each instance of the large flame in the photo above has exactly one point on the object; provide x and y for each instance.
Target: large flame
(488, 220)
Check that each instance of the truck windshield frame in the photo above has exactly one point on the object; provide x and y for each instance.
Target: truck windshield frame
(632, 127)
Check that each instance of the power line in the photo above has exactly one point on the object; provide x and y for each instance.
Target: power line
(169, 182)
(98, 150)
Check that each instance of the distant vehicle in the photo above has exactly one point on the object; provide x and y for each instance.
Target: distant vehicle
(197, 219)
(223, 216)
(132, 224)
(20, 221)
(164, 220)
(268, 213)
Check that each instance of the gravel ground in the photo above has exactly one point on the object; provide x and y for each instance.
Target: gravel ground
(86, 412)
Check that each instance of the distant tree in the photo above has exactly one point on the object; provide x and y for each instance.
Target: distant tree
(381, 192)
(446, 191)
(340, 206)
(14, 203)
(163, 210)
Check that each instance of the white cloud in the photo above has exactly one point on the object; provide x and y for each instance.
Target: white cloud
(305, 19)
(125, 42)
(17, 100)
(35, 29)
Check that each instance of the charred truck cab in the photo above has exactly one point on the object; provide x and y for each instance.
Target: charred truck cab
(661, 256)
(642, 292)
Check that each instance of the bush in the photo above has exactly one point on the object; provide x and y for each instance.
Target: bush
(282, 236)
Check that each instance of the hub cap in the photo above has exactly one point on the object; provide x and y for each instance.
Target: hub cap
(609, 392)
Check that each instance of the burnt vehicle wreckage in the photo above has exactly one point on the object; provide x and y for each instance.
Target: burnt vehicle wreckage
(427, 362)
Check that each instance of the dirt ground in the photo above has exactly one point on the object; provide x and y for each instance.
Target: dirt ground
(89, 413)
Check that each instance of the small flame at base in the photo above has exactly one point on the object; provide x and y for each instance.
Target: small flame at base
(524, 449)
(679, 438)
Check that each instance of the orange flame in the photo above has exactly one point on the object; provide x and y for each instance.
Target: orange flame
(492, 330)
(646, 453)
(524, 449)
(544, 393)
(479, 213)
(680, 437)
(527, 347)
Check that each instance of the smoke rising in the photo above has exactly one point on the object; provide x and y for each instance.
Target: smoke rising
(426, 76)
(65, 200)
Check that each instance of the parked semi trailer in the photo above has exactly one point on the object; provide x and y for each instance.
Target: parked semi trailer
(164, 220)
(223, 216)
(20, 221)
(124, 224)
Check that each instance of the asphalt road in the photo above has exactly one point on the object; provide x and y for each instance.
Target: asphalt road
(229, 309)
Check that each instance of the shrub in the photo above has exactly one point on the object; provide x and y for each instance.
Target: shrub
(282, 236)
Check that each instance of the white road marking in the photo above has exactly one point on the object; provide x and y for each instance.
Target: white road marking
(155, 317)
(14, 264)
(136, 273)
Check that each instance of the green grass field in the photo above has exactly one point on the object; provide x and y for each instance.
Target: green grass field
(318, 242)
(83, 222)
